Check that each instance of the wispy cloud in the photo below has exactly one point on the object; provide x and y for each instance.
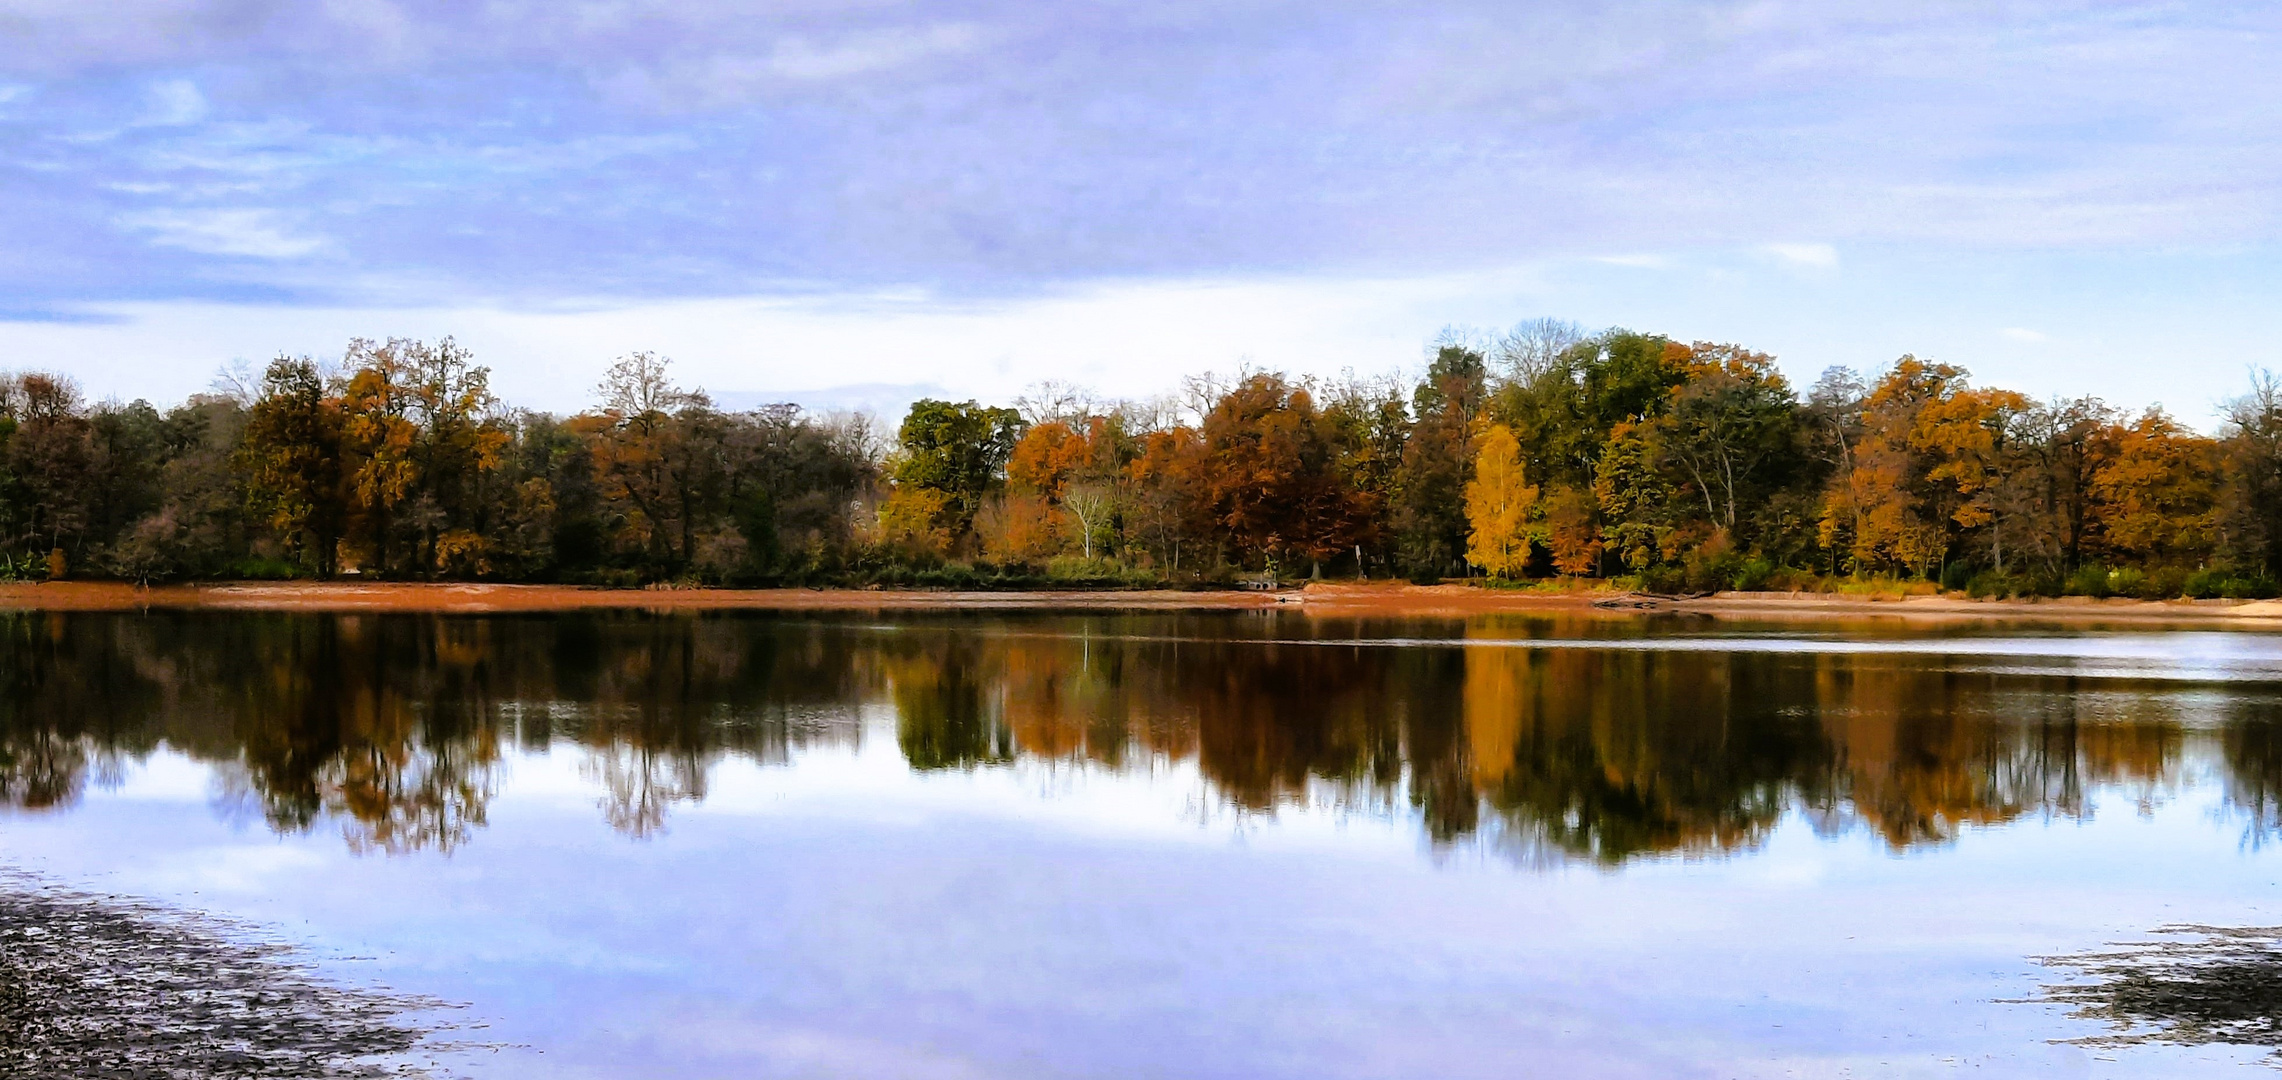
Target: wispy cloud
(1818, 256)
(2022, 334)
(797, 62)
(173, 103)
(806, 59)
(260, 234)
(712, 146)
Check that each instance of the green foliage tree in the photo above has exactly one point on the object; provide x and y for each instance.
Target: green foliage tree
(1730, 420)
(1437, 462)
(1634, 495)
(958, 451)
(290, 455)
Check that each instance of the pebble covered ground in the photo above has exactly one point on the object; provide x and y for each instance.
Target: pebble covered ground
(110, 987)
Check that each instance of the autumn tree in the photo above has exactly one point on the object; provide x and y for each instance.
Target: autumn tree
(379, 440)
(1267, 476)
(2157, 495)
(655, 451)
(1046, 457)
(458, 446)
(1965, 438)
(1020, 524)
(1498, 502)
(1883, 498)
(1165, 495)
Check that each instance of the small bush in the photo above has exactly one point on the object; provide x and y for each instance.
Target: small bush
(2127, 581)
(2164, 584)
(1956, 575)
(2208, 583)
(941, 577)
(1078, 569)
(1792, 579)
(1712, 571)
(1664, 580)
(1990, 585)
(258, 568)
(2214, 582)
(1754, 575)
(2090, 579)
(2251, 587)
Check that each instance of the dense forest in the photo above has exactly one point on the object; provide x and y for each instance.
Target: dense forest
(1541, 453)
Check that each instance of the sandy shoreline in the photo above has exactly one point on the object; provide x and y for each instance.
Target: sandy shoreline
(1340, 599)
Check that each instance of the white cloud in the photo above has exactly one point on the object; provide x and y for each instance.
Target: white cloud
(1634, 262)
(733, 76)
(261, 234)
(802, 59)
(2019, 333)
(1819, 256)
(174, 103)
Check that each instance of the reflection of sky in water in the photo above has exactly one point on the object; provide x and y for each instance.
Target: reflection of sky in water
(845, 916)
(834, 912)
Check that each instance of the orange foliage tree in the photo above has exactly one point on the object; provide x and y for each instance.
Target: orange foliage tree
(1267, 475)
(2157, 496)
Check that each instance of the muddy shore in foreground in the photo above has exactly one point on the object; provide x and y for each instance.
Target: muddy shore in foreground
(1343, 599)
(108, 986)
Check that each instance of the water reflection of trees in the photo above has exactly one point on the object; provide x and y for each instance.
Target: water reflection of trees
(2252, 745)
(397, 727)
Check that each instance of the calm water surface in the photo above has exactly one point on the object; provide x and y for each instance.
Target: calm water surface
(1224, 845)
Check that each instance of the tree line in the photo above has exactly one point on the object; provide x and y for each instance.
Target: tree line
(1540, 453)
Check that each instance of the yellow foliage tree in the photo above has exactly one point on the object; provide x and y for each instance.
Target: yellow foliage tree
(1498, 500)
(912, 519)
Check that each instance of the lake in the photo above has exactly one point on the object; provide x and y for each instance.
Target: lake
(1235, 844)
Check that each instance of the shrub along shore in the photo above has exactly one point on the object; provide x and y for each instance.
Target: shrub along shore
(1617, 461)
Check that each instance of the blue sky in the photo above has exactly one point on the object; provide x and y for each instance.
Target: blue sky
(794, 197)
